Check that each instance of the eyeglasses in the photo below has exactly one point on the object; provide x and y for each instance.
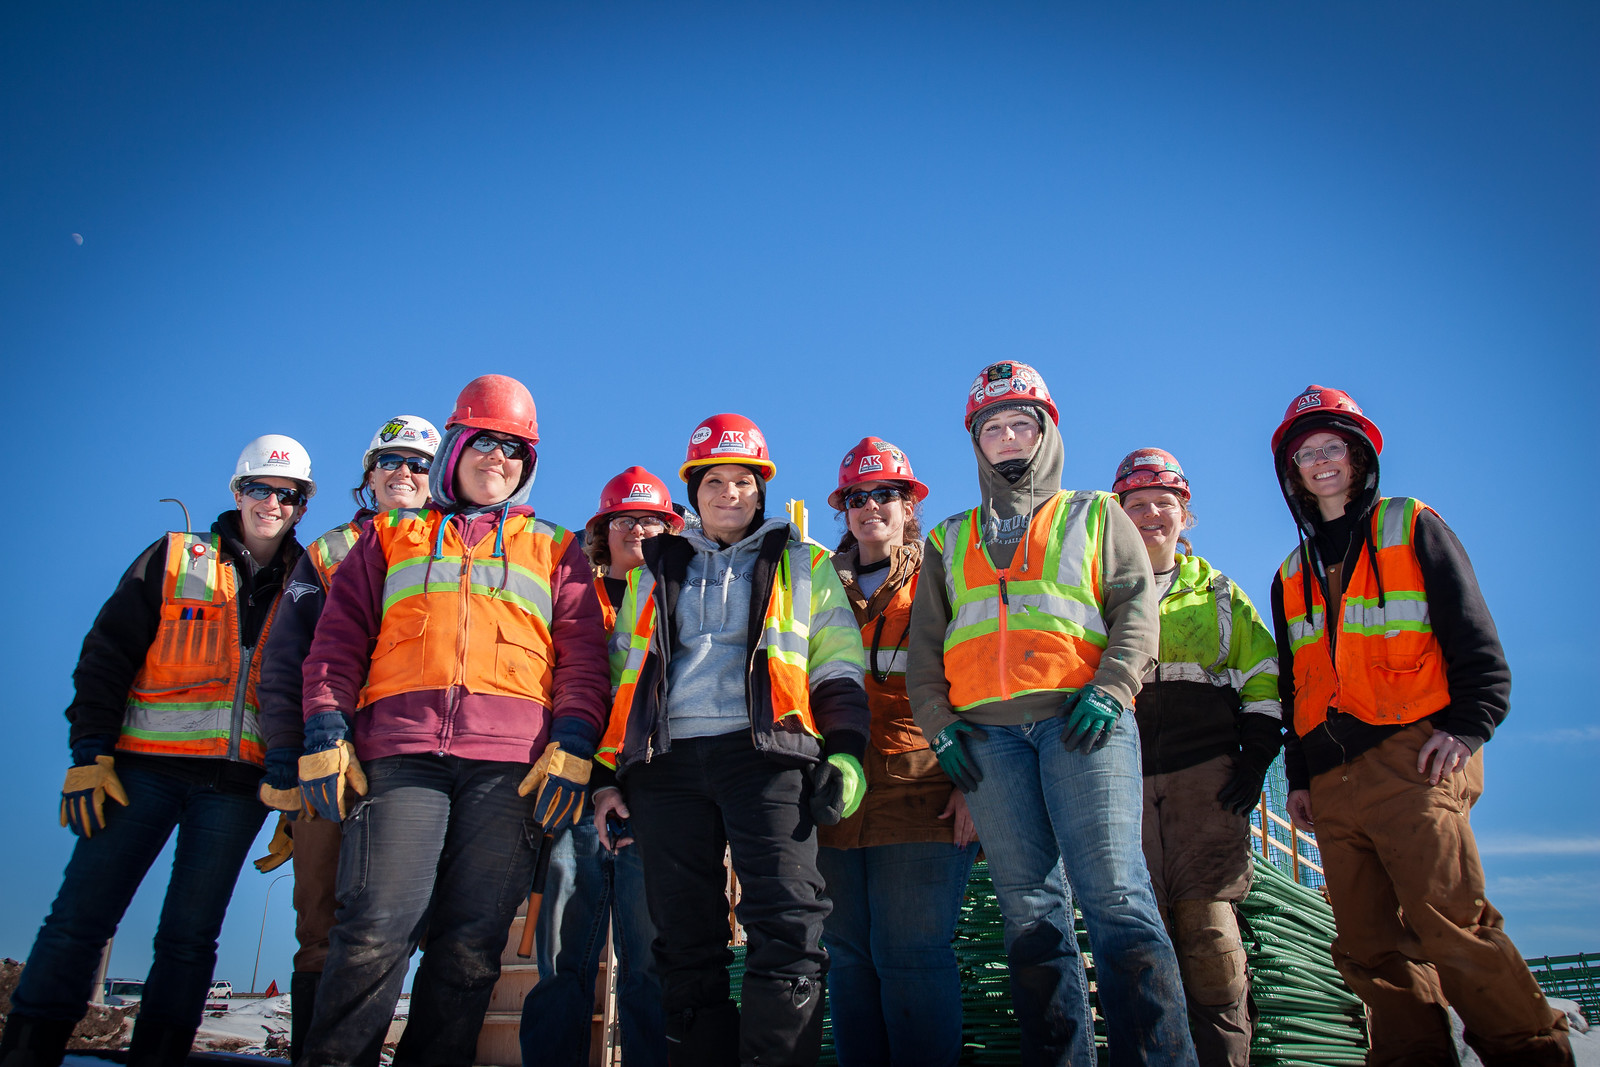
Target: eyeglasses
(881, 495)
(291, 498)
(393, 461)
(649, 524)
(1333, 453)
(510, 449)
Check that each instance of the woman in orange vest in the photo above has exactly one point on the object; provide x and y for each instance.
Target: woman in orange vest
(896, 870)
(588, 888)
(164, 725)
(394, 475)
(459, 645)
(1390, 697)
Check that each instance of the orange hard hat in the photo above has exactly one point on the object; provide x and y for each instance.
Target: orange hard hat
(496, 402)
(1319, 400)
(874, 460)
(1150, 468)
(1009, 382)
(727, 438)
(636, 489)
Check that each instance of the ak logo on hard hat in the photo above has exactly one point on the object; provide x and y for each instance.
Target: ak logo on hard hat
(397, 430)
(642, 492)
(869, 463)
(742, 442)
(279, 458)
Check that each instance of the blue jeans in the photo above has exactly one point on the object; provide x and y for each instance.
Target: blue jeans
(893, 983)
(586, 890)
(1041, 806)
(215, 832)
(440, 846)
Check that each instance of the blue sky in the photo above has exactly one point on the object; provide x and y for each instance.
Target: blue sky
(304, 218)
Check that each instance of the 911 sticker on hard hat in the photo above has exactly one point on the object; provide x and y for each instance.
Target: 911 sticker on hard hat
(701, 435)
(642, 491)
(392, 430)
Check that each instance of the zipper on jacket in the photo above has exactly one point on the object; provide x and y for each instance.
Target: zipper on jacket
(236, 719)
(463, 627)
(1005, 602)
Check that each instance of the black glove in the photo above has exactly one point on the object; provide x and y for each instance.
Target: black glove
(1259, 738)
(837, 786)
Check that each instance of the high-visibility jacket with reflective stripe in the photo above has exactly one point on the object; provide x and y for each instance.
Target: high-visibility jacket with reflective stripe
(465, 617)
(1211, 633)
(883, 642)
(616, 640)
(329, 550)
(808, 636)
(1036, 625)
(1388, 667)
(196, 693)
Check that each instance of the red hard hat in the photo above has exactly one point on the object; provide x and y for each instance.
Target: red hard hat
(874, 460)
(1150, 468)
(1317, 400)
(1008, 383)
(727, 439)
(636, 489)
(496, 402)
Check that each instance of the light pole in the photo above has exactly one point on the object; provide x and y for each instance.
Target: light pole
(262, 936)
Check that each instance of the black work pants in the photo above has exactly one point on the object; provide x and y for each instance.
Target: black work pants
(687, 806)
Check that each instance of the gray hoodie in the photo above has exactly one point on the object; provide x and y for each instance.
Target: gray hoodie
(705, 677)
(1129, 605)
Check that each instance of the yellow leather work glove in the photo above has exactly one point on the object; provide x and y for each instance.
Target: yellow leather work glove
(288, 801)
(279, 849)
(327, 777)
(560, 780)
(83, 796)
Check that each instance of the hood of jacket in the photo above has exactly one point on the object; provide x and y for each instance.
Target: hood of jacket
(442, 475)
(1008, 506)
(1365, 497)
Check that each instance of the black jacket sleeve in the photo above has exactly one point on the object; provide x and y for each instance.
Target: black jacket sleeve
(116, 646)
(1475, 663)
(280, 686)
(1294, 759)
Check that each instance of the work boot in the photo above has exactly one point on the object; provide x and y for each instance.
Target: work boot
(782, 1021)
(704, 1037)
(159, 1044)
(302, 1002)
(30, 1042)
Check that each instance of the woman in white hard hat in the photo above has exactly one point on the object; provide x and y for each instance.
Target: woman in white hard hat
(394, 475)
(1034, 623)
(896, 870)
(739, 723)
(164, 725)
(1209, 727)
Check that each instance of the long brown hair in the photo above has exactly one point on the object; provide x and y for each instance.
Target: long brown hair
(1360, 467)
(913, 530)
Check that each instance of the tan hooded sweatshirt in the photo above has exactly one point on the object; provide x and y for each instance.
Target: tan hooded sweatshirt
(1129, 604)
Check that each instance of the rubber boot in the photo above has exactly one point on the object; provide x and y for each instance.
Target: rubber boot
(704, 1037)
(159, 1044)
(30, 1042)
(302, 1002)
(781, 1024)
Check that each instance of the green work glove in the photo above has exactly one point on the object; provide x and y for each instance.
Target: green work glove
(1092, 714)
(83, 796)
(837, 787)
(950, 746)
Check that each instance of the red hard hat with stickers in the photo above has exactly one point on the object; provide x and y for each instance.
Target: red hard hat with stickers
(636, 489)
(727, 438)
(874, 460)
(1320, 400)
(496, 402)
(1008, 383)
(1150, 468)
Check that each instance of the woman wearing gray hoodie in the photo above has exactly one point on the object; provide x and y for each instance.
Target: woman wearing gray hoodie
(739, 723)
(1034, 623)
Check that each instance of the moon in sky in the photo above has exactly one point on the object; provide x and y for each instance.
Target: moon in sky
(77, 238)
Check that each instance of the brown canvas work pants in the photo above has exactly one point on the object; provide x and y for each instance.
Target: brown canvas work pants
(1416, 931)
(316, 874)
(1198, 853)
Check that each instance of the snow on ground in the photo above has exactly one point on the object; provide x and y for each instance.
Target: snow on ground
(251, 1020)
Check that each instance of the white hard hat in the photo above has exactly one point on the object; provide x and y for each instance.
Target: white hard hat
(403, 431)
(274, 456)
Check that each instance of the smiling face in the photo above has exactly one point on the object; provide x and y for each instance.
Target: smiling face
(486, 478)
(727, 501)
(264, 522)
(1329, 480)
(1008, 435)
(399, 488)
(1159, 514)
(878, 527)
(627, 546)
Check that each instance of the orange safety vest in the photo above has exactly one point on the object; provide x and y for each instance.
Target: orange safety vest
(893, 730)
(1388, 668)
(196, 693)
(465, 617)
(1036, 625)
(329, 550)
(608, 610)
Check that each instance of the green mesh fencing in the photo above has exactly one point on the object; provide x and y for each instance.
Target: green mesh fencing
(1571, 978)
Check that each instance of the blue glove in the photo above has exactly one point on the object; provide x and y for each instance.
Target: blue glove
(326, 729)
(951, 748)
(559, 780)
(1091, 714)
(283, 768)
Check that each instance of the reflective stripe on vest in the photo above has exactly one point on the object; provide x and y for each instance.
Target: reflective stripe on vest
(196, 693)
(465, 617)
(329, 550)
(1390, 668)
(1031, 628)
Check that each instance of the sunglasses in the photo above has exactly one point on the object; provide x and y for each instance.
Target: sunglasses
(1140, 479)
(291, 498)
(1333, 453)
(882, 495)
(510, 449)
(393, 461)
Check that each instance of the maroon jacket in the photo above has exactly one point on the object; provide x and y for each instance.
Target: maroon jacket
(453, 721)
